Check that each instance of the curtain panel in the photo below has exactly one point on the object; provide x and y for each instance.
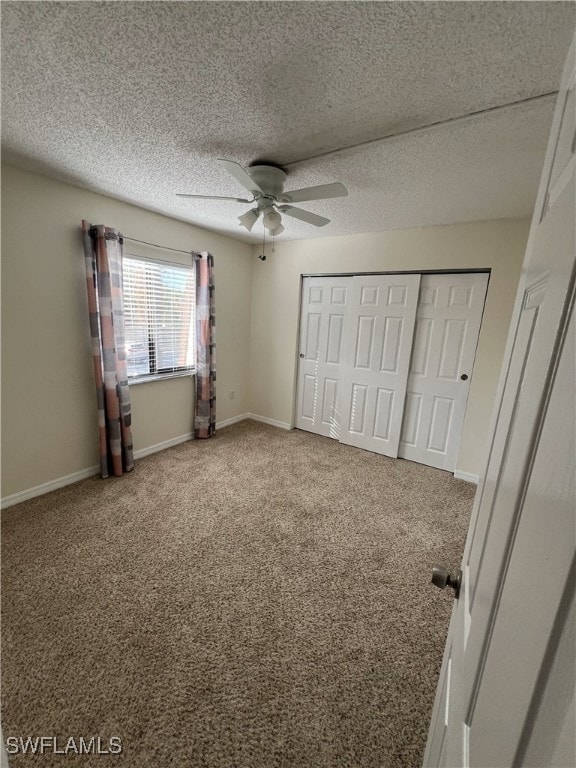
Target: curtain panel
(103, 257)
(205, 414)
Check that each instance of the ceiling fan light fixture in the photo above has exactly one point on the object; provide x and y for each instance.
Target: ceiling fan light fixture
(272, 218)
(249, 218)
(277, 231)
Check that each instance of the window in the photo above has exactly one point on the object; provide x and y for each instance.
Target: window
(158, 317)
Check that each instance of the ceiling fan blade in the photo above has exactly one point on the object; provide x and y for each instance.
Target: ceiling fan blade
(236, 170)
(322, 192)
(249, 218)
(307, 216)
(215, 197)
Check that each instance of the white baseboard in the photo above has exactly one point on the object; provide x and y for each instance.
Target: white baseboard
(254, 417)
(233, 420)
(466, 476)
(266, 420)
(60, 482)
(52, 485)
(161, 446)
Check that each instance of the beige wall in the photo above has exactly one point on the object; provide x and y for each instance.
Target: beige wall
(498, 245)
(48, 401)
(49, 427)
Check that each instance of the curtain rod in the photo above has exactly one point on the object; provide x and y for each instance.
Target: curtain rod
(164, 247)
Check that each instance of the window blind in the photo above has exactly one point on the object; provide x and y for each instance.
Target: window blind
(158, 316)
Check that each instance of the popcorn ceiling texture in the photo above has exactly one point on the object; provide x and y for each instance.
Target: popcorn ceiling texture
(137, 100)
(258, 600)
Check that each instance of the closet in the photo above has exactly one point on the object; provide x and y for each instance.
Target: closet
(385, 361)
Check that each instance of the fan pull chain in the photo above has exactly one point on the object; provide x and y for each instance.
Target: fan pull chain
(262, 256)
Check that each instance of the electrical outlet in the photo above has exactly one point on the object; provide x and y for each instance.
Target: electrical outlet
(232, 394)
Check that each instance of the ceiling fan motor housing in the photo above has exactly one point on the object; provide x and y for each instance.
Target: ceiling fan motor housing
(269, 178)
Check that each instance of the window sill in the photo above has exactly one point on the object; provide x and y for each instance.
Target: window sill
(160, 377)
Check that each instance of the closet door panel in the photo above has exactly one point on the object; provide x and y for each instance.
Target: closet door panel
(380, 320)
(447, 328)
(322, 338)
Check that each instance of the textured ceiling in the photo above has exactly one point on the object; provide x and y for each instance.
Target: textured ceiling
(139, 99)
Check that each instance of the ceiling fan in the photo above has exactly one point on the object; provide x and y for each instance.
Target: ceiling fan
(265, 182)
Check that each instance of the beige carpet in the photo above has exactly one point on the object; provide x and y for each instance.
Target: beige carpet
(258, 600)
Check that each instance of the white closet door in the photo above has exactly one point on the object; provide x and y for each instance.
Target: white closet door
(380, 324)
(447, 327)
(324, 301)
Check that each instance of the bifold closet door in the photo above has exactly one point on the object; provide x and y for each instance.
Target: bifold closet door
(324, 302)
(447, 328)
(380, 317)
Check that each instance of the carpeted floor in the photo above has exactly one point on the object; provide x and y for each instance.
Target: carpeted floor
(257, 600)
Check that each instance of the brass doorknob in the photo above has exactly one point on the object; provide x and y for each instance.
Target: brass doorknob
(442, 579)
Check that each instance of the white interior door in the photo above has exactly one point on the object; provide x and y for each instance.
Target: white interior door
(445, 338)
(506, 690)
(324, 302)
(380, 325)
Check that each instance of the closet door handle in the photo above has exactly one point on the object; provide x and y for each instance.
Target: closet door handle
(301, 354)
(464, 377)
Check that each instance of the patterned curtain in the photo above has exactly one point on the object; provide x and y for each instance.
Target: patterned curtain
(205, 418)
(103, 256)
